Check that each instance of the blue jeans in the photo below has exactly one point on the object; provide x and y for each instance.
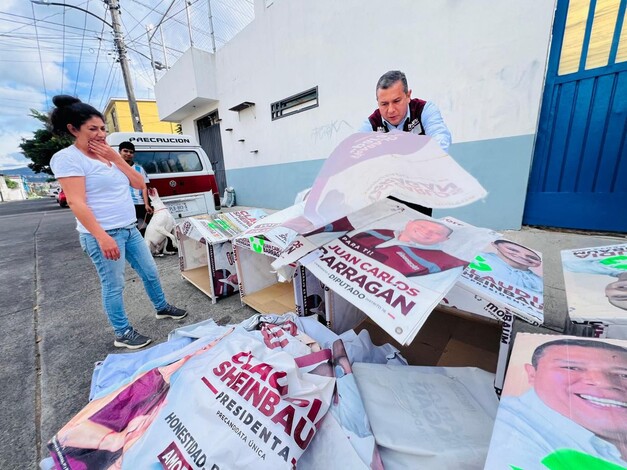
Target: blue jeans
(111, 273)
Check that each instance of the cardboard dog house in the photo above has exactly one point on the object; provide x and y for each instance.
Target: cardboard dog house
(205, 251)
(267, 253)
(373, 278)
(596, 288)
(255, 250)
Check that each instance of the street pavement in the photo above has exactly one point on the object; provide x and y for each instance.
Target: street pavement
(53, 328)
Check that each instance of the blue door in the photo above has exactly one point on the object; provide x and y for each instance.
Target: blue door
(579, 172)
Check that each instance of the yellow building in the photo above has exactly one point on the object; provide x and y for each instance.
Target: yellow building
(118, 117)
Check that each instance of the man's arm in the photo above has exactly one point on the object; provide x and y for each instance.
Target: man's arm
(147, 205)
(434, 125)
(365, 126)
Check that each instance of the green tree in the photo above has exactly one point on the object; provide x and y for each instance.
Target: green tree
(43, 145)
(10, 183)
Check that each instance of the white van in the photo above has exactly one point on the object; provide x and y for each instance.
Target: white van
(177, 167)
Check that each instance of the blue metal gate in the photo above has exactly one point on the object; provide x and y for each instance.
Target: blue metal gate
(579, 173)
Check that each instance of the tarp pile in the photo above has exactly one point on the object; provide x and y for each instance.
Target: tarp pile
(271, 392)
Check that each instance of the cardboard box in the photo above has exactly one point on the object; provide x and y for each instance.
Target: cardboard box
(259, 286)
(449, 337)
(595, 279)
(206, 256)
(255, 249)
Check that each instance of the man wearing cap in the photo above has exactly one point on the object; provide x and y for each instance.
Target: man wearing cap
(140, 198)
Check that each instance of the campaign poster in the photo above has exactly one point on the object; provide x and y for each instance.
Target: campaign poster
(564, 405)
(223, 269)
(596, 283)
(233, 403)
(398, 268)
(510, 274)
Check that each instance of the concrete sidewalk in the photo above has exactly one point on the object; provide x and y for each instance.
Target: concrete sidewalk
(54, 329)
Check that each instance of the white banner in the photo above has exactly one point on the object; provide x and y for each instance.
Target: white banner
(368, 167)
(230, 404)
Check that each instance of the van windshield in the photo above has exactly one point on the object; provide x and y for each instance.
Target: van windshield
(155, 162)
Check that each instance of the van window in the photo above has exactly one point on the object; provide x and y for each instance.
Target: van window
(168, 162)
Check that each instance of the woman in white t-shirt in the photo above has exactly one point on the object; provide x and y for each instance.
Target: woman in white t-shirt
(95, 180)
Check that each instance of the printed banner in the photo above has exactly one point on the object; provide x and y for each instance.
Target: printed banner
(509, 275)
(596, 283)
(564, 405)
(397, 269)
(231, 404)
(367, 167)
(222, 227)
(223, 269)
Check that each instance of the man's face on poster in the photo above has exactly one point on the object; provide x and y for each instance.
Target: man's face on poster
(585, 384)
(518, 256)
(426, 232)
(616, 292)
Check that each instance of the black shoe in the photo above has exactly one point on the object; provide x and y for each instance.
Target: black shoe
(131, 339)
(171, 312)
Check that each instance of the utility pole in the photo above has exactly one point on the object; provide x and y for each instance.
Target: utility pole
(152, 59)
(121, 49)
(213, 39)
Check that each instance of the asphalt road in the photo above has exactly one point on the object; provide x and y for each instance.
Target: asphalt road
(53, 328)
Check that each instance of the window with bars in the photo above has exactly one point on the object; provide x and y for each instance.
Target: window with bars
(295, 104)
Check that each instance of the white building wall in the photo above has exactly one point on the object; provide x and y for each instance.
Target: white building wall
(482, 62)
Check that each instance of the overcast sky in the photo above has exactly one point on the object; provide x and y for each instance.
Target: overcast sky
(47, 50)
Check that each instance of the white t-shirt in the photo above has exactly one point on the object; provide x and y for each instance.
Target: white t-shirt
(106, 187)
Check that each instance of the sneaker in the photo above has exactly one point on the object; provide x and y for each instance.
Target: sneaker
(172, 312)
(131, 339)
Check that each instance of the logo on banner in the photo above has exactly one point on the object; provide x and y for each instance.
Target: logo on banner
(617, 262)
(171, 459)
(257, 244)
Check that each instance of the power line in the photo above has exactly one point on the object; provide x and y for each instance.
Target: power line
(38, 21)
(63, 53)
(78, 70)
(93, 78)
(127, 35)
(41, 65)
(106, 84)
(137, 23)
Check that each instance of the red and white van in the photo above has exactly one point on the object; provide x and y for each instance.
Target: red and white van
(177, 167)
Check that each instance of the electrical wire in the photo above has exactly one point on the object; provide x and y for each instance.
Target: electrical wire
(41, 65)
(80, 57)
(93, 78)
(39, 23)
(63, 53)
(107, 82)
